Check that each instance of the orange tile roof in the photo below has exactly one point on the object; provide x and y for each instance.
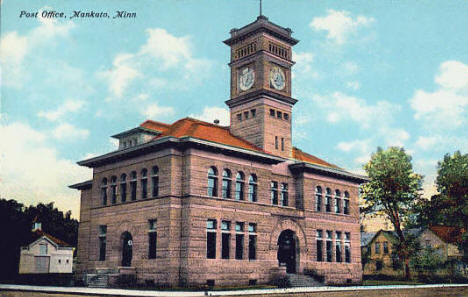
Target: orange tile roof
(219, 134)
(39, 233)
(201, 130)
(448, 234)
(305, 157)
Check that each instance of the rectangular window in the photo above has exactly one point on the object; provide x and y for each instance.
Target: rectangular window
(239, 190)
(338, 246)
(346, 206)
(152, 237)
(252, 241)
(286, 116)
(211, 239)
(253, 112)
(276, 142)
(225, 246)
(377, 247)
(239, 246)
(155, 182)
(328, 203)
(284, 194)
(123, 192)
(144, 188)
(104, 195)
(225, 225)
(329, 246)
(385, 247)
(282, 143)
(239, 227)
(318, 201)
(272, 112)
(114, 194)
(133, 189)
(252, 247)
(246, 115)
(279, 114)
(337, 205)
(239, 117)
(226, 187)
(102, 242)
(274, 193)
(319, 245)
(43, 249)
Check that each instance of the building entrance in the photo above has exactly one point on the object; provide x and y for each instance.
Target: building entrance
(127, 245)
(287, 253)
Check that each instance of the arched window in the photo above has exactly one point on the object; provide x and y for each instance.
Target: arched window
(144, 183)
(212, 182)
(318, 198)
(337, 201)
(133, 185)
(346, 203)
(113, 187)
(253, 188)
(240, 186)
(123, 187)
(104, 191)
(155, 181)
(328, 198)
(226, 183)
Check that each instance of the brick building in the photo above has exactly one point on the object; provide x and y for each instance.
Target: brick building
(193, 203)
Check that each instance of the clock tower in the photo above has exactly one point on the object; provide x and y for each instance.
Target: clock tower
(261, 102)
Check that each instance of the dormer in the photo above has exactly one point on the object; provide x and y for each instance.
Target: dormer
(135, 136)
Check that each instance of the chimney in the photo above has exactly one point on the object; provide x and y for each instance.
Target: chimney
(36, 225)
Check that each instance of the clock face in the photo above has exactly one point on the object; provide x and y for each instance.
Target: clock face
(246, 78)
(277, 78)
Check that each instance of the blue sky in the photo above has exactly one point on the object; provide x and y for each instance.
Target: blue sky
(367, 74)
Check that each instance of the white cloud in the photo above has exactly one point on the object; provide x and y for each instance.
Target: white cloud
(32, 171)
(453, 75)
(303, 65)
(162, 52)
(121, 74)
(14, 47)
(363, 149)
(153, 111)
(340, 107)
(141, 97)
(394, 136)
(441, 143)
(446, 107)
(353, 85)
(350, 68)
(211, 113)
(67, 131)
(68, 106)
(339, 24)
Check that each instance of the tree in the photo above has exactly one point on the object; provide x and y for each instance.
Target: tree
(452, 184)
(393, 191)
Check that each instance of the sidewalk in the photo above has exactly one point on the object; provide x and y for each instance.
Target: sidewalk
(144, 293)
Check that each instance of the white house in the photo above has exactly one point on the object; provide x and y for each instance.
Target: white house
(45, 254)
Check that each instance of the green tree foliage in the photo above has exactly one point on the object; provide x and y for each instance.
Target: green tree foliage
(393, 191)
(452, 184)
(15, 227)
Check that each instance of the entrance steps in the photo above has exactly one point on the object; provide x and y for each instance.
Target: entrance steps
(301, 280)
(97, 280)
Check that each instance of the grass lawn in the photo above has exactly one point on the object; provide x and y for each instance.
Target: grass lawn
(371, 282)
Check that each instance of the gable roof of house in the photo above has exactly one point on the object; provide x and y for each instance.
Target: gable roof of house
(448, 234)
(220, 134)
(36, 234)
(366, 237)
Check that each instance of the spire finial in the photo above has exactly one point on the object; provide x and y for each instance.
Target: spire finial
(260, 7)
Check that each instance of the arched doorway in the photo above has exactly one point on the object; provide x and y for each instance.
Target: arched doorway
(127, 244)
(287, 250)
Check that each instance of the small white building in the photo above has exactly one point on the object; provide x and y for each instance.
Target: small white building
(45, 254)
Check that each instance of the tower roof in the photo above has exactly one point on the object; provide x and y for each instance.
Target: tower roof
(261, 24)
